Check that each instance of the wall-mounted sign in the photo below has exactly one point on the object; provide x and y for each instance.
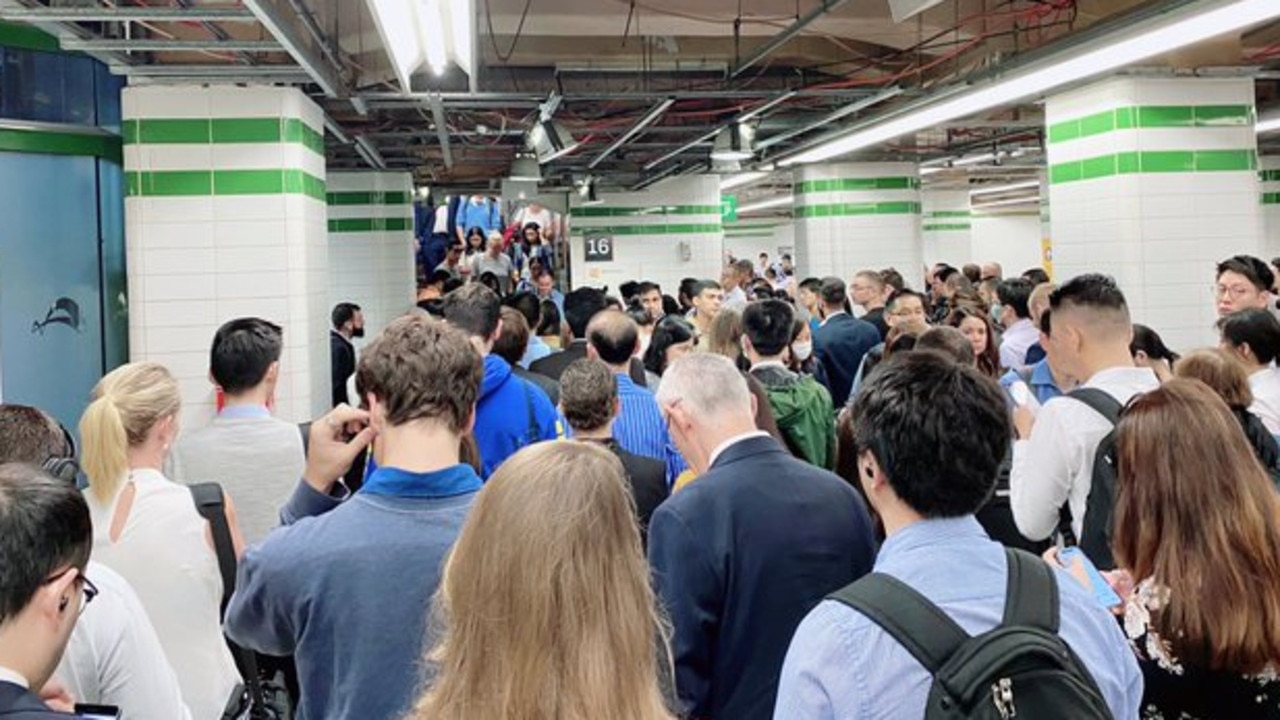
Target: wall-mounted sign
(728, 208)
(597, 248)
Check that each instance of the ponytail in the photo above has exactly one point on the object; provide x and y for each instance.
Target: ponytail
(105, 455)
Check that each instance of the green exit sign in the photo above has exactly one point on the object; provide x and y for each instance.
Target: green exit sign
(728, 208)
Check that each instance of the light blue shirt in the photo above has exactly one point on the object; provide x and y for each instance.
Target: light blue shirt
(1041, 383)
(484, 216)
(536, 351)
(556, 297)
(640, 429)
(842, 666)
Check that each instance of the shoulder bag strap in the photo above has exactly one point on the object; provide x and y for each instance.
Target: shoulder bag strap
(1031, 599)
(909, 617)
(210, 505)
(1100, 401)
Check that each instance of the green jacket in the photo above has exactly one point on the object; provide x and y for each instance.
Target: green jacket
(803, 409)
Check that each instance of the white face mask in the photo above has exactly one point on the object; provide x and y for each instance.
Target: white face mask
(802, 350)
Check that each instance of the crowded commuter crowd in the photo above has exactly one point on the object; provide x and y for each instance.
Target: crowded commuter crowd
(748, 497)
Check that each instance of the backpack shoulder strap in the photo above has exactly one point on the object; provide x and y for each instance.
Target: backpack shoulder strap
(210, 505)
(1100, 401)
(909, 617)
(1032, 596)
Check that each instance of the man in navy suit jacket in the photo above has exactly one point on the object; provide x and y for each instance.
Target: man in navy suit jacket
(841, 340)
(745, 551)
(45, 538)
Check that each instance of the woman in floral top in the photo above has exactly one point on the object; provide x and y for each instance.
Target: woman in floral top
(1197, 525)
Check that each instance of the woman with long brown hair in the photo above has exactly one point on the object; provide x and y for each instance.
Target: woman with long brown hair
(546, 606)
(976, 325)
(1197, 525)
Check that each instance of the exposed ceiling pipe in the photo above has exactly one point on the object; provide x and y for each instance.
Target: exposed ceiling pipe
(781, 38)
(277, 23)
(644, 122)
(126, 14)
(222, 72)
(370, 153)
(748, 115)
(163, 45)
(442, 129)
(536, 99)
(831, 117)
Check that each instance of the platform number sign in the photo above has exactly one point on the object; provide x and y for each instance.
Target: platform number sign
(598, 248)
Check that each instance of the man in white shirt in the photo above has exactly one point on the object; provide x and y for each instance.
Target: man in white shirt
(114, 656)
(256, 458)
(494, 261)
(736, 277)
(1088, 336)
(1015, 315)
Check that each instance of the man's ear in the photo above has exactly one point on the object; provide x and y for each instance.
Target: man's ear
(870, 474)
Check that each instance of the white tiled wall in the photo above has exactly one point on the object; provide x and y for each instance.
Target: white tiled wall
(1270, 212)
(951, 246)
(196, 262)
(374, 270)
(843, 245)
(664, 259)
(1011, 240)
(749, 238)
(1158, 234)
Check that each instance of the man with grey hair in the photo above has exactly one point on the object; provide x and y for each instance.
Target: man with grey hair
(736, 277)
(741, 554)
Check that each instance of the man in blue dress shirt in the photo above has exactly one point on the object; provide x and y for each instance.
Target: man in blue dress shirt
(926, 478)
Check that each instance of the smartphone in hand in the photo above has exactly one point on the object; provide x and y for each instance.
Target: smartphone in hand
(1102, 591)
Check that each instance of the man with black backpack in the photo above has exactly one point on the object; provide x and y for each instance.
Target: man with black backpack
(950, 624)
(1062, 451)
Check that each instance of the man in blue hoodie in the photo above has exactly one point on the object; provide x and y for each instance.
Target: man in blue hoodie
(512, 412)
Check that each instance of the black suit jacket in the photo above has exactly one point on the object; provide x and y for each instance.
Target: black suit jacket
(648, 478)
(839, 345)
(18, 703)
(342, 355)
(739, 557)
(554, 364)
(546, 384)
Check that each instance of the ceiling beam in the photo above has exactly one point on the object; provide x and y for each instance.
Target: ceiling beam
(277, 21)
(222, 72)
(442, 129)
(127, 14)
(160, 45)
(783, 37)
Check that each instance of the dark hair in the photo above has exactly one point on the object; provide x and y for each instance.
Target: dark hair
(490, 280)
(514, 338)
(702, 286)
(988, 361)
(628, 290)
(973, 272)
(646, 287)
(639, 314)
(343, 313)
(31, 436)
(948, 341)
(421, 368)
(945, 273)
(670, 306)
(893, 278)
(44, 527)
(1256, 327)
(1253, 269)
(1149, 342)
(1016, 295)
(813, 285)
(1093, 291)
(580, 306)
(768, 324)
(588, 389)
(671, 330)
(474, 309)
(614, 336)
(452, 284)
(922, 412)
(895, 298)
(686, 288)
(242, 352)
(551, 321)
(433, 307)
(1036, 275)
(529, 306)
(833, 291)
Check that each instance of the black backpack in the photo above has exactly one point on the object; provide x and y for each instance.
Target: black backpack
(1095, 535)
(1021, 668)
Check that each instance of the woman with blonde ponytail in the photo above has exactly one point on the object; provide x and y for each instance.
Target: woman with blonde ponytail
(147, 528)
(545, 605)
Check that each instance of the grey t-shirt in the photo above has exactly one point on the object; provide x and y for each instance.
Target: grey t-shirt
(258, 461)
(500, 266)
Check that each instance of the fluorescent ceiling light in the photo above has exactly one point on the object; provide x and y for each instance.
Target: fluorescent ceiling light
(1012, 201)
(973, 160)
(525, 168)
(743, 180)
(1266, 126)
(766, 204)
(1000, 189)
(931, 170)
(1162, 35)
(425, 32)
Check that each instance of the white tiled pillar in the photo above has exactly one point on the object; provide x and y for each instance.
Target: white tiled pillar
(947, 224)
(1154, 181)
(665, 233)
(371, 244)
(1269, 175)
(225, 218)
(748, 238)
(851, 216)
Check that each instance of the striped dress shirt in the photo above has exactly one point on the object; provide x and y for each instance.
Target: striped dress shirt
(640, 429)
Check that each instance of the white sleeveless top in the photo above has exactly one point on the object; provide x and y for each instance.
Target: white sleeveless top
(163, 554)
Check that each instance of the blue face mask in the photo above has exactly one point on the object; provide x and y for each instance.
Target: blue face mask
(995, 312)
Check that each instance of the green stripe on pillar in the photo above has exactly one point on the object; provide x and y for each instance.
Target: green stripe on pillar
(222, 131)
(1271, 198)
(948, 214)
(656, 229)
(1154, 161)
(643, 211)
(1152, 117)
(26, 37)
(857, 184)
(357, 225)
(45, 142)
(854, 209)
(188, 183)
(945, 227)
(368, 197)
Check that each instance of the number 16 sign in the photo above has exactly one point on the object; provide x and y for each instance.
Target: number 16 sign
(597, 248)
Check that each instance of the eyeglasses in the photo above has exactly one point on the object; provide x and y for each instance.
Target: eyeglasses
(90, 590)
(1235, 292)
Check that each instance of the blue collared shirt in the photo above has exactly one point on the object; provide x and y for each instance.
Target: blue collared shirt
(842, 665)
(536, 351)
(1042, 384)
(556, 297)
(640, 429)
